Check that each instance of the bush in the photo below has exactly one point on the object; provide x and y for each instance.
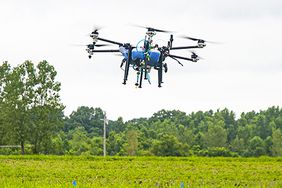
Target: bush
(221, 151)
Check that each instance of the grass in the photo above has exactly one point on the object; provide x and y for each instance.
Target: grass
(61, 171)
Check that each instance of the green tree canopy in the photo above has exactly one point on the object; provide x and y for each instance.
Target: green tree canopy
(31, 103)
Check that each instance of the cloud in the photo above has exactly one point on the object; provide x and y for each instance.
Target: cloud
(240, 9)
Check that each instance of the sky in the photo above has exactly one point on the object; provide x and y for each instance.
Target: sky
(242, 73)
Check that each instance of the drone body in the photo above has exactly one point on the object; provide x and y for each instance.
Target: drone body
(145, 55)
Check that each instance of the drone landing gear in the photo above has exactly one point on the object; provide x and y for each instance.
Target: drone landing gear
(160, 71)
(146, 71)
(160, 77)
(137, 81)
(165, 68)
(141, 78)
(127, 65)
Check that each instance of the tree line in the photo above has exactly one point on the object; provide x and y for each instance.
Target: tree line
(31, 117)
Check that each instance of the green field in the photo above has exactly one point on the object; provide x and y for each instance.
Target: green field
(56, 171)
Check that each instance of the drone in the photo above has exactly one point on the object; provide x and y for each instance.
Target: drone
(145, 56)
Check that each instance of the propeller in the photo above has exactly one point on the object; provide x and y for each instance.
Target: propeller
(96, 29)
(101, 45)
(152, 29)
(91, 46)
(199, 40)
(195, 56)
(193, 52)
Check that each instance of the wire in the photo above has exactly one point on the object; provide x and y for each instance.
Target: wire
(138, 44)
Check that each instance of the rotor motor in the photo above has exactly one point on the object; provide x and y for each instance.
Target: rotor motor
(194, 57)
(201, 43)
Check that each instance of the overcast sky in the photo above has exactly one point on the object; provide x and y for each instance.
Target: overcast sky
(243, 73)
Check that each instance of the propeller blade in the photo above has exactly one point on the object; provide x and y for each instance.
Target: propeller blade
(151, 29)
(190, 38)
(135, 25)
(158, 30)
(78, 45)
(101, 45)
(96, 45)
(96, 28)
(198, 57)
(212, 42)
(196, 39)
(193, 52)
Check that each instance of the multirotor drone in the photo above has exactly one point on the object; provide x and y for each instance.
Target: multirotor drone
(145, 56)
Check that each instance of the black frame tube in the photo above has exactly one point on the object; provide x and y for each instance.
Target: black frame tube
(179, 57)
(183, 47)
(110, 41)
(105, 51)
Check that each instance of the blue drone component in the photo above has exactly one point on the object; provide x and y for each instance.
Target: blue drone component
(124, 52)
(153, 58)
(135, 54)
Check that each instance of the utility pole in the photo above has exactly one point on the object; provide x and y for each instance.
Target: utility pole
(104, 140)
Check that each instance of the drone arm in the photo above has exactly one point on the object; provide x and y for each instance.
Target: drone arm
(105, 51)
(183, 47)
(110, 41)
(179, 57)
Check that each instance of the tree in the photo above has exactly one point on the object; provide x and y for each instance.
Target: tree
(115, 143)
(199, 140)
(262, 127)
(46, 107)
(79, 143)
(5, 70)
(96, 146)
(238, 145)
(256, 146)
(59, 144)
(18, 100)
(175, 116)
(30, 97)
(268, 146)
(216, 136)
(277, 142)
(168, 145)
(185, 135)
(229, 123)
(89, 118)
(132, 142)
(117, 126)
